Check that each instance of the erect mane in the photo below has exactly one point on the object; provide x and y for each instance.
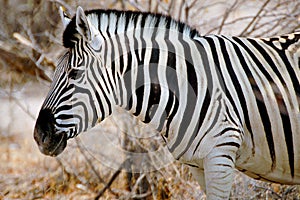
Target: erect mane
(71, 34)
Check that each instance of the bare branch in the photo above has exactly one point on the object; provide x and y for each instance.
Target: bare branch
(137, 5)
(66, 5)
(254, 18)
(18, 102)
(114, 176)
(270, 190)
(80, 147)
(228, 11)
(133, 194)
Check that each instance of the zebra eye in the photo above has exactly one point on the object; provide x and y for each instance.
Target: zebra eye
(75, 73)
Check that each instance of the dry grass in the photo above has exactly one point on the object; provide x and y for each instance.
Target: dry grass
(76, 174)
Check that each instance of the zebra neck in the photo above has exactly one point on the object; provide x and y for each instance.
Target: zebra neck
(148, 60)
(147, 74)
(137, 74)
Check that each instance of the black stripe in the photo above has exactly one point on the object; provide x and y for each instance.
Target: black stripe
(261, 105)
(219, 71)
(153, 102)
(127, 77)
(154, 96)
(100, 103)
(83, 119)
(87, 92)
(140, 73)
(228, 114)
(286, 122)
(63, 107)
(113, 69)
(246, 69)
(213, 123)
(58, 87)
(228, 157)
(139, 90)
(143, 20)
(288, 66)
(172, 100)
(209, 89)
(228, 144)
(235, 82)
(64, 116)
(191, 165)
(191, 99)
(224, 165)
(226, 130)
(112, 81)
(113, 66)
(91, 102)
(57, 96)
(209, 78)
(269, 60)
(172, 81)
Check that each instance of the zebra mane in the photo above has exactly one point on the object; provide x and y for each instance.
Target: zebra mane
(111, 21)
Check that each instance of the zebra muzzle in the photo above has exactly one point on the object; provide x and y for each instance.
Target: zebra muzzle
(49, 141)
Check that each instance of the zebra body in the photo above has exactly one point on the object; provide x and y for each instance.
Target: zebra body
(219, 102)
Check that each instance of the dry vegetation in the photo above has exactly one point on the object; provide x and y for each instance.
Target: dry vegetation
(30, 44)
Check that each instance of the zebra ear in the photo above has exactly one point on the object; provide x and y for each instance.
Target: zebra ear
(82, 24)
(64, 16)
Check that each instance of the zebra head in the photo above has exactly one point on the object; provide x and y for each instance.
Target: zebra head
(70, 107)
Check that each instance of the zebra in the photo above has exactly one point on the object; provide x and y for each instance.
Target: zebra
(220, 102)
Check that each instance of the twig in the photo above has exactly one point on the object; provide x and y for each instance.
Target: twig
(136, 5)
(254, 18)
(23, 40)
(163, 6)
(32, 44)
(88, 161)
(132, 195)
(226, 24)
(66, 5)
(228, 11)
(288, 190)
(19, 104)
(270, 190)
(141, 196)
(114, 176)
(91, 164)
(191, 3)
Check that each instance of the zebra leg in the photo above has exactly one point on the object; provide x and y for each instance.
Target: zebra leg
(219, 167)
(198, 174)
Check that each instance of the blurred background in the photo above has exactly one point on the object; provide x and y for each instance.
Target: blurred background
(92, 165)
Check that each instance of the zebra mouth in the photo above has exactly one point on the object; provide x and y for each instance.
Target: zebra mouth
(61, 145)
(53, 146)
